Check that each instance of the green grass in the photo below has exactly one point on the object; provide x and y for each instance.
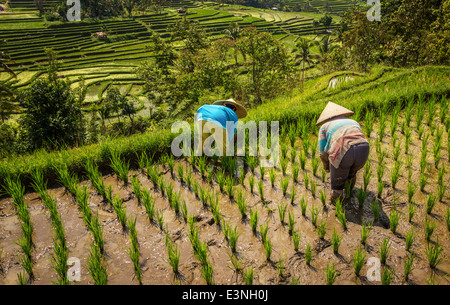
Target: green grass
(358, 260)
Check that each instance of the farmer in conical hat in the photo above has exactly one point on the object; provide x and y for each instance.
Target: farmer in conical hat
(219, 120)
(342, 146)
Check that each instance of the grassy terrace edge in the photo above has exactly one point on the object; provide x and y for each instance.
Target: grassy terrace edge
(306, 105)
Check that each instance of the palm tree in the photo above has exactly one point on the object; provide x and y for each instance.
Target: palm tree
(234, 33)
(325, 47)
(304, 56)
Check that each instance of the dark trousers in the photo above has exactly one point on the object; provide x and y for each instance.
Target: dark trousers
(353, 160)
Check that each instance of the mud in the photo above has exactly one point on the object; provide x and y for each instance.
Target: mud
(156, 269)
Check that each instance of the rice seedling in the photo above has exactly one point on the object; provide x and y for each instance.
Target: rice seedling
(229, 186)
(173, 255)
(303, 206)
(160, 219)
(322, 197)
(314, 214)
(395, 174)
(408, 266)
(447, 218)
(443, 109)
(251, 182)
(137, 189)
(272, 176)
(248, 276)
(407, 140)
(241, 203)
(210, 175)
(429, 229)
(441, 191)
(284, 149)
(411, 189)
(215, 209)
(280, 267)
(375, 207)
(394, 123)
(284, 185)
(431, 202)
(312, 185)
(96, 266)
(365, 231)
(296, 236)
(220, 178)
(295, 172)
(262, 171)
(323, 175)
(386, 276)
(233, 237)
(302, 160)
(263, 229)
(201, 163)
(436, 154)
(385, 248)
(359, 259)
(253, 220)
(322, 229)
(149, 204)
(308, 254)
(315, 165)
(261, 190)
(180, 172)
(441, 173)
(306, 179)
(361, 195)
(120, 167)
(282, 208)
(69, 181)
(236, 263)
(409, 238)
(120, 210)
(394, 220)
(369, 120)
(283, 164)
(331, 274)
(96, 178)
(291, 222)
(340, 213)
(162, 185)
(433, 253)
(268, 249)
(293, 155)
(134, 256)
(421, 131)
(252, 163)
(306, 144)
(97, 232)
(380, 171)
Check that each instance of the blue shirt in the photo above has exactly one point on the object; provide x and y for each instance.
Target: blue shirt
(219, 115)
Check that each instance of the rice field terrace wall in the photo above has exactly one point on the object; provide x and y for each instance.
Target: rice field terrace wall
(213, 221)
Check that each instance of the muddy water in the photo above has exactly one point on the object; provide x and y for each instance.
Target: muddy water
(156, 269)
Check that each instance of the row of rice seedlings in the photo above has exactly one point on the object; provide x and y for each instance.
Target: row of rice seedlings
(331, 274)
(336, 240)
(433, 253)
(96, 178)
(408, 265)
(200, 251)
(120, 167)
(173, 254)
(119, 208)
(69, 181)
(96, 266)
(167, 159)
(16, 191)
(340, 213)
(60, 250)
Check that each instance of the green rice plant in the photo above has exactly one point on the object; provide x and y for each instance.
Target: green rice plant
(134, 256)
(407, 140)
(284, 149)
(409, 238)
(322, 197)
(284, 185)
(261, 190)
(314, 213)
(380, 187)
(431, 202)
(280, 266)
(252, 163)
(263, 229)
(204, 196)
(282, 208)
(210, 175)
(411, 211)
(241, 175)
(149, 204)
(293, 155)
(137, 189)
(176, 203)
(96, 266)
(291, 222)
(340, 213)
(59, 261)
(441, 173)
(385, 248)
(380, 171)
(408, 266)
(394, 140)
(322, 228)
(303, 206)
(306, 179)
(292, 134)
(419, 114)
(403, 127)
(369, 120)
(180, 171)
(220, 178)
(436, 154)
(69, 181)
(296, 236)
(97, 232)
(395, 174)
(262, 171)
(359, 259)
(253, 220)
(315, 165)
(375, 207)
(272, 176)
(120, 210)
(184, 210)
(233, 237)
(331, 274)
(268, 249)
(308, 254)
(251, 182)
(248, 276)
(229, 186)
(169, 191)
(236, 263)
(295, 172)
(365, 231)
(314, 146)
(173, 255)
(95, 177)
(241, 203)
(394, 220)
(361, 195)
(283, 164)
(447, 218)
(324, 173)
(153, 175)
(201, 163)
(394, 123)
(348, 190)
(421, 131)
(215, 208)
(120, 167)
(302, 160)
(312, 185)
(441, 191)
(411, 189)
(160, 219)
(306, 143)
(433, 253)
(162, 185)
(443, 109)
(386, 276)
(292, 194)
(429, 229)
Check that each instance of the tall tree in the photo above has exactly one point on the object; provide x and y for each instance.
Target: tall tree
(303, 55)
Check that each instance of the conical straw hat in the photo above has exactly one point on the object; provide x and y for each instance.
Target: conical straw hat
(240, 110)
(332, 110)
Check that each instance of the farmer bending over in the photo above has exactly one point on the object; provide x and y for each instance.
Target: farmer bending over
(214, 120)
(342, 146)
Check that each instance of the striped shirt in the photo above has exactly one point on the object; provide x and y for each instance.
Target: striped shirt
(337, 136)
